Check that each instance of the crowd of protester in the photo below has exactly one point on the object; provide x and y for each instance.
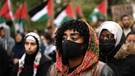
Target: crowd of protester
(74, 49)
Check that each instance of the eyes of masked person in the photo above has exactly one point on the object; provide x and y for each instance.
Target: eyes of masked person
(106, 35)
(106, 41)
(72, 36)
(72, 44)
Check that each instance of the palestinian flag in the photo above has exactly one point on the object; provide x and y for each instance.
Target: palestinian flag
(2, 20)
(41, 12)
(19, 25)
(64, 15)
(21, 12)
(20, 15)
(79, 12)
(5, 11)
(99, 11)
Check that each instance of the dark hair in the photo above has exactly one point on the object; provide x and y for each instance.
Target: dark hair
(1, 28)
(77, 25)
(132, 27)
(125, 15)
(130, 33)
(48, 36)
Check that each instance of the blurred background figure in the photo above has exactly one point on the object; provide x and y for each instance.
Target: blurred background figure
(6, 40)
(99, 22)
(50, 48)
(4, 63)
(51, 30)
(126, 23)
(126, 55)
(133, 27)
(18, 49)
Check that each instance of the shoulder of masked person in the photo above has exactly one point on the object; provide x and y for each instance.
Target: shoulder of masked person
(99, 69)
(43, 66)
(102, 69)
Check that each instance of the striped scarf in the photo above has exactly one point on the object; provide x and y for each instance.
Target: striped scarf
(89, 60)
(35, 65)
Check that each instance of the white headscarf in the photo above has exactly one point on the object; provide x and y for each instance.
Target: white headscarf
(31, 36)
(114, 28)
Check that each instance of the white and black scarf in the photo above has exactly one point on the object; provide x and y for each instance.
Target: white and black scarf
(35, 64)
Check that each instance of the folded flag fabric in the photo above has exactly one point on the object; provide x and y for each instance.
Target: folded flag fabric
(99, 11)
(64, 15)
(41, 12)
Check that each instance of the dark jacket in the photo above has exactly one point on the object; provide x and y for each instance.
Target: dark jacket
(28, 67)
(108, 56)
(18, 49)
(128, 66)
(4, 63)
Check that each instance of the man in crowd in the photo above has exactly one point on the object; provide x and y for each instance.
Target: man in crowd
(6, 40)
(126, 24)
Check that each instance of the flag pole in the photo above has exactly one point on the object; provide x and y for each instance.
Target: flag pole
(106, 16)
(11, 14)
(50, 20)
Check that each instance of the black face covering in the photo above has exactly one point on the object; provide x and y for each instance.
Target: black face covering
(106, 46)
(72, 49)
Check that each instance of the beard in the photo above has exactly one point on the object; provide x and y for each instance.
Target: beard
(126, 26)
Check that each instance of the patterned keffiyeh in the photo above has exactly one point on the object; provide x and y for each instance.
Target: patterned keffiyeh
(35, 64)
(90, 58)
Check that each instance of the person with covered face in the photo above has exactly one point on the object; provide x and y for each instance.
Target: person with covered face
(77, 51)
(32, 62)
(111, 37)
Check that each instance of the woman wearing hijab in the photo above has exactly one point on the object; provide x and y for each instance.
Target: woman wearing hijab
(32, 62)
(111, 37)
